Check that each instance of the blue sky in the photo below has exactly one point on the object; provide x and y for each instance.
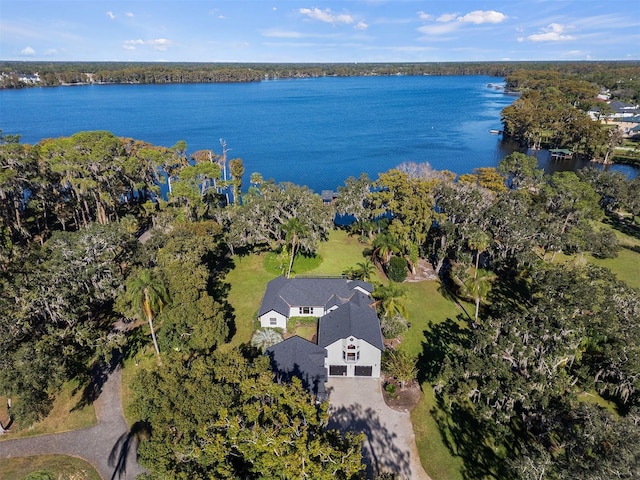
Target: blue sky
(319, 31)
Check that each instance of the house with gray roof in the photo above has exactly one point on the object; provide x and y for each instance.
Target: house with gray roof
(297, 357)
(305, 297)
(349, 334)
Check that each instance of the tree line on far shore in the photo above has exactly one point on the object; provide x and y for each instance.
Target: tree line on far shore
(620, 77)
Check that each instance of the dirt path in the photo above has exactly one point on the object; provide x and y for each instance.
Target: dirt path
(110, 446)
(356, 404)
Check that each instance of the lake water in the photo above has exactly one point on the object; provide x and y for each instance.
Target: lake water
(314, 132)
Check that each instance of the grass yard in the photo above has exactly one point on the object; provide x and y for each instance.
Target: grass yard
(434, 454)
(426, 304)
(340, 253)
(59, 467)
(248, 281)
(65, 415)
(249, 278)
(626, 266)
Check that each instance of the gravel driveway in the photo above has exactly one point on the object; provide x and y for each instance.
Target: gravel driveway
(110, 446)
(356, 404)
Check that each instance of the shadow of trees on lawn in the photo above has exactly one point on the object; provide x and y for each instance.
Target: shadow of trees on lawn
(462, 433)
(381, 454)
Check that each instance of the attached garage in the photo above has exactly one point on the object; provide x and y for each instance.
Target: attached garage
(363, 371)
(338, 370)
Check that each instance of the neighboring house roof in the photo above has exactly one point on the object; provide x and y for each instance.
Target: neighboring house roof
(619, 106)
(356, 318)
(283, 293)
(298, 357)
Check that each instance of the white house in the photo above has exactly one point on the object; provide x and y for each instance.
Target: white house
(352, 338)
(305, 297)
(348, 328)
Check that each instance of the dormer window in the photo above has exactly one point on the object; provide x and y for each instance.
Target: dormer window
(305, 310)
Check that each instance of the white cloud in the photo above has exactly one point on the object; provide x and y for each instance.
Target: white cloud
(447, 17)
(552, 33)
(27, 52)
(361, 26)
(111, 15)
(51, 52)
(326, 16)
(132, 44)
(483, 16)
(450, 22)
(275, 33)
(130, 14)
(424, 16)
(160, 44)
(438, 29)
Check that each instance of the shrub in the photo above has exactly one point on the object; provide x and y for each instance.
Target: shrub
(397, 269)
(400, 365)
(394, 326)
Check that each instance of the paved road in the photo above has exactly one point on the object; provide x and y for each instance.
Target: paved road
(110, 446)
(356, 404)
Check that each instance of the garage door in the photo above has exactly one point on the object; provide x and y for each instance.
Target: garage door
(363, 371)
(337, 370)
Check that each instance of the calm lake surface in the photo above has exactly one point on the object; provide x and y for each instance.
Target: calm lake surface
(314, 132)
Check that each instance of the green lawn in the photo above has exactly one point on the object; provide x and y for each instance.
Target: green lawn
(248, 281)
(249, 278)
(67, 414)
(60, 467)
(427, 306)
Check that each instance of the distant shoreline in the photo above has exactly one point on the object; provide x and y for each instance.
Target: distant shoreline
(20, 74)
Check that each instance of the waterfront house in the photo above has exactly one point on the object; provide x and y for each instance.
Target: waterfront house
(349, 339)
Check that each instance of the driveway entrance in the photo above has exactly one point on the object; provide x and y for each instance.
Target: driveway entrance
(356, 405)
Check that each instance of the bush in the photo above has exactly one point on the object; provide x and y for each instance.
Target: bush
(400, 365)
(604, 244)
(397, 269)
(40, 475)
(393, 327)
(390, 388)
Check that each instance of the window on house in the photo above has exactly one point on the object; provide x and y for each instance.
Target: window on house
(273, 321)
(305, 310)
(352, 354)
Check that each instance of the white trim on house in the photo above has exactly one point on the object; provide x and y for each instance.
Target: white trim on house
(342, 360)
(273, 319)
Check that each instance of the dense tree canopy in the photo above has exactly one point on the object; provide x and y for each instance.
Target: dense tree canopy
(223, 416)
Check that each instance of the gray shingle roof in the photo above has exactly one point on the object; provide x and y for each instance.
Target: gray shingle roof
(356, 318)
(282, 293)
(298, 357)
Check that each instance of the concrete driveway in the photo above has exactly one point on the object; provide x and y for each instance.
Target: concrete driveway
(356, 405)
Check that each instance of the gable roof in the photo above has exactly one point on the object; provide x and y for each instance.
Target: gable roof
(282, 293)
(298, 357)
(356, 318)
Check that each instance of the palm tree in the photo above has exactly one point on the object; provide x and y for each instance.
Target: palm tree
(365, 270)
(390, 299)
(293, 229)
(478, 241)
(265, 338)
(476, 287)
(384, 245)
(147, 295)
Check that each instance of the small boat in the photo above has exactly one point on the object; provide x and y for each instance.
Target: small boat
(494, 131)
